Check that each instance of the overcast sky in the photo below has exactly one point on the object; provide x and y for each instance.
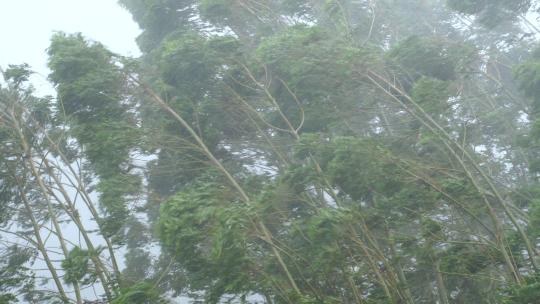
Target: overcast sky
(26, 27)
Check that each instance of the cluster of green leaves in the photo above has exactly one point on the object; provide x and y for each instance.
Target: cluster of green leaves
(528, 76)
(91, 100)
(158, 18)
(208, 233)
(140, 293)
(15, 276)
(433, 56)
(316, 74)
(529, 293)
(77, 268)
(491, 12)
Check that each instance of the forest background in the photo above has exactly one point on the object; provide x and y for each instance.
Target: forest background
(340, 151)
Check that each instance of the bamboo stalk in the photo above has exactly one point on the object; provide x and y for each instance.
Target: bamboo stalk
(245, 198)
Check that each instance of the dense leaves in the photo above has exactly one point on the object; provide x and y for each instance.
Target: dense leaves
(288, 152)
(90, 99)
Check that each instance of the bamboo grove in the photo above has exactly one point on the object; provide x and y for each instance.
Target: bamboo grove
(280, 151)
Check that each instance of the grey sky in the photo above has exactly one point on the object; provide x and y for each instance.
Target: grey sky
(27, 25)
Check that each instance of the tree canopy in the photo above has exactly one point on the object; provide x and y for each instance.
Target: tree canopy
(285, 151)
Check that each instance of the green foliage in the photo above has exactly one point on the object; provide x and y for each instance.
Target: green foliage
(158, 18)
(91, 99)
(89, 84)
(7, 299)
(431, 230)
(216, 8)
(414, 211)
(318, 68)
(529, 293)
(431, 94)
(15, 275)
(191, 63)
(206, 230)
(491, 12)
(138, 265)
(527, 75)
(17, 73)
(467, 6)
(77, 267)
(534, 225)
(462, 259)
(431, 56)
(140, 293)
(359, 167)
(327, 234)
(193, 70)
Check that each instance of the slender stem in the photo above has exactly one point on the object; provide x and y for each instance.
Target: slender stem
(40, 244)
(28, 152)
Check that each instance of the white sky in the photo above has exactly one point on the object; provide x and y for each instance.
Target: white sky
(27, 25)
